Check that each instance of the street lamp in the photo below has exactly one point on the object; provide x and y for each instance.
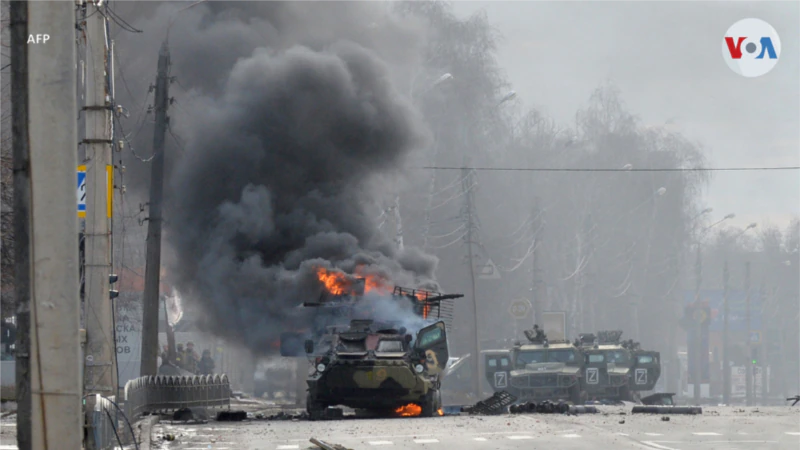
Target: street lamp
(726, 370)
(627, 167)
(510, 95)
(698, 283)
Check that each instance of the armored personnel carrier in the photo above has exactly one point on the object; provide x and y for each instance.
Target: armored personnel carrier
(538, 370)
(375, 364)
(617, 370)
(378, 367)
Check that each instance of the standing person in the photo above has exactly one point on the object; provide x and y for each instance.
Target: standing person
(179, 357)
(190, 358)
(206, 364)
(164, 354)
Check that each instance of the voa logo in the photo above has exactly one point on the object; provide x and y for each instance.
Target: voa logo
(751, 47)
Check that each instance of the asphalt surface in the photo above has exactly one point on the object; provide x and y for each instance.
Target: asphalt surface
(8, 432)
(718, 428)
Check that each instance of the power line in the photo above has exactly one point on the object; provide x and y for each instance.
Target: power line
(665, 169)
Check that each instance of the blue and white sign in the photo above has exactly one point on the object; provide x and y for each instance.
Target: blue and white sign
(737, 308)
(81, 191)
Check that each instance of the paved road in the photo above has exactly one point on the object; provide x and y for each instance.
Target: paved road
(717, 428)
(8, 433)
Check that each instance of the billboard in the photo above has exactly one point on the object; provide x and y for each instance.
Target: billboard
(737, 310)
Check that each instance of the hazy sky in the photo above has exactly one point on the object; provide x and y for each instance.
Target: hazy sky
(666, 58)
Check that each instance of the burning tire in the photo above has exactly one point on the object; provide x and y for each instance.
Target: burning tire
(431, 404)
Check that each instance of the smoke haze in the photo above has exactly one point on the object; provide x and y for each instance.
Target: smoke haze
(296, 131)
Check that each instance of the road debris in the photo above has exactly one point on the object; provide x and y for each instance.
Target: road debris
(667, 410)
(190, 415)
(282, 416)
(796, 399)
(327, 446)
(231, 416)
(496, 404)
(659, 399)
(548, 407)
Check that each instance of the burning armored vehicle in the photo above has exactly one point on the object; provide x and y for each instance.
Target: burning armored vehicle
(364, 360)
(378, 367)
(539, 370)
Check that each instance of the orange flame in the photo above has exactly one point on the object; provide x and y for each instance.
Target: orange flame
(441, 413)
(373, 282)
(409, 410)
(422, 297)
(335, 282)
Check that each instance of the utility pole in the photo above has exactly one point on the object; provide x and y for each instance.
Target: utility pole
(152, 273)
(469, 210)
(748, 344)
(726, 369)
(766, 356)
(539, 293)
(698, 270)
(44, 118)
(100, 371)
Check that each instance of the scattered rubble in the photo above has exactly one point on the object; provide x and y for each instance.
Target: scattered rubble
(327, 446)
(496, 404)
(231, 416)
(659, 399)
(548, 407)
(190, 414)
(667, 410)
(282, 416)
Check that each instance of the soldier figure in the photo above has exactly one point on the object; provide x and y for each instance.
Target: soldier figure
(190, 358)
(206, 364)
(179, 357)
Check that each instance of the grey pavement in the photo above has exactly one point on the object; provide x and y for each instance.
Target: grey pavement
(8, 432)
(718, 428)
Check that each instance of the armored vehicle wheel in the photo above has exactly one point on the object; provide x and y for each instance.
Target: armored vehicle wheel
(315, 410)
(431, 403)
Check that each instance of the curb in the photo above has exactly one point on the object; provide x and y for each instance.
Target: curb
(144, 428)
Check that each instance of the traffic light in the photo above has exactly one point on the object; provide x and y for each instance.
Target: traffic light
(113, 293)
(754, 355)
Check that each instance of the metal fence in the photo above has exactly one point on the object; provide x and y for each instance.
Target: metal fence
(161, 394)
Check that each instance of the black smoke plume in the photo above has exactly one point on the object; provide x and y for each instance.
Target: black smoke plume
(280, 170)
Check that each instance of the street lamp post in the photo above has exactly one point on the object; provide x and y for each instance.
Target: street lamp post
(477, 372)
(697, 372)
(726, 370)
(637, 299)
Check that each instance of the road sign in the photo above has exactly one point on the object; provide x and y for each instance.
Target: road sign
(81, 191)
(488, 271)
(700, 315)
(755, 337)
(520, 308)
